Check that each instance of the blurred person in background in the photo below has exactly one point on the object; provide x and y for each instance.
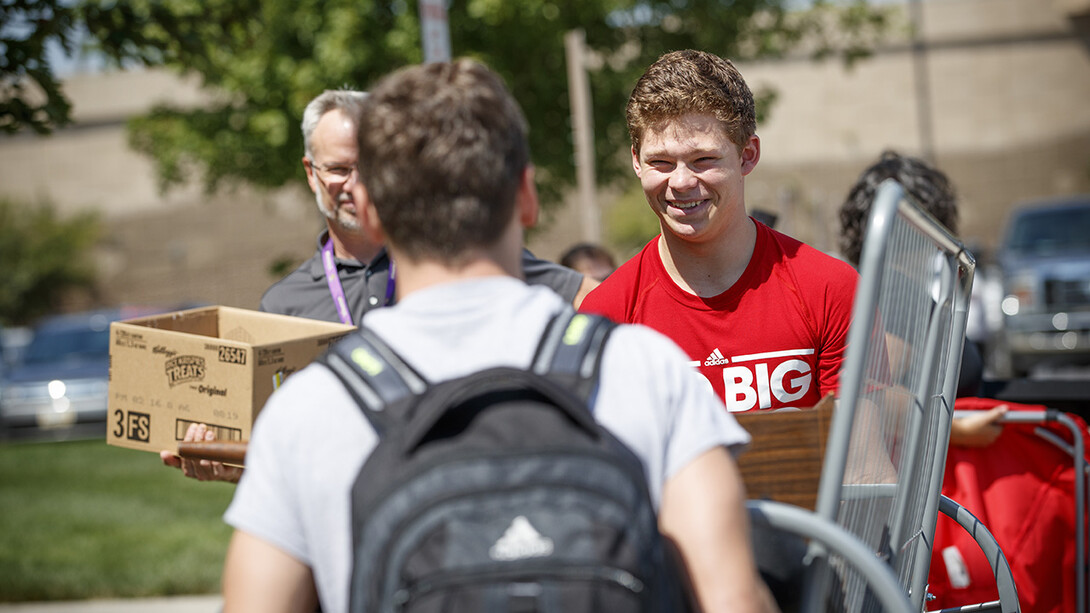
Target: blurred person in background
(594, 261)
(1014, 480)
(764, 216)
(932, 190)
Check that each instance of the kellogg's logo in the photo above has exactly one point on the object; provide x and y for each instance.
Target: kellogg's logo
(184, 368)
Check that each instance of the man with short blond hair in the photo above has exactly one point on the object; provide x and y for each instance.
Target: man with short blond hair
(763, 316)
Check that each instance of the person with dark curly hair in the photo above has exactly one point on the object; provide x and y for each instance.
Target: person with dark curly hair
(932, 190)
(925, 184)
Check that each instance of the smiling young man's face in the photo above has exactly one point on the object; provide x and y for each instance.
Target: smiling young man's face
(692, 174)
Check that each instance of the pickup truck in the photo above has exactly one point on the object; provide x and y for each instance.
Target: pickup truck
(1044, 261)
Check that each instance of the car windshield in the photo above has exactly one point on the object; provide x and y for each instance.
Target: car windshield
(1051, 231)
(57, 345)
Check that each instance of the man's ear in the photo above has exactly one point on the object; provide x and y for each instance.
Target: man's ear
(309, 168)
(528, 205)
(751, 154)
(636, 161)
(370, 224)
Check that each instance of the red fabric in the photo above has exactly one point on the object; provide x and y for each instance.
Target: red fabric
(775, 339)
(1022, 489)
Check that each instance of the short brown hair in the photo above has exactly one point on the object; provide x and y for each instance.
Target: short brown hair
(690, 81)
(442, 150)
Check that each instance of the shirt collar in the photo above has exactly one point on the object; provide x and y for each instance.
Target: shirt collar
(379, 262)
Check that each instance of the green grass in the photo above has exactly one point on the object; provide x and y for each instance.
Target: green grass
(85, 520)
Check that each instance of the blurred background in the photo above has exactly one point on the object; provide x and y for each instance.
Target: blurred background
(150, 154)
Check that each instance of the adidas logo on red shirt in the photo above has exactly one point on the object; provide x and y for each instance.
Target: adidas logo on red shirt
(716, 358)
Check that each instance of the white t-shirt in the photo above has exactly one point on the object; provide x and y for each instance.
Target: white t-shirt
(311, 438)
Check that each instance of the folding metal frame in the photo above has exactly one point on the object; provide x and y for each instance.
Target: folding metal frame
(885, 453)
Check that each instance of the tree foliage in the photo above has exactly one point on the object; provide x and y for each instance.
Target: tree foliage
(42, 259)
(30, 96)
(265, 59)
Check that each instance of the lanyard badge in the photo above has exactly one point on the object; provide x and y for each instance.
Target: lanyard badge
(336, 290)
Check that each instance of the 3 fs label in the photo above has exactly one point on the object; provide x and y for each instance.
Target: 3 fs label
(132, 425)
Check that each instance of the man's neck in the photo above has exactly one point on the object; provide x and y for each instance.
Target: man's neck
(419, 275)
(352, 245)
(502, 259)
(710, 268)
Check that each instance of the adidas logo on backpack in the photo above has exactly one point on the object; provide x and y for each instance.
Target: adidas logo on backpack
(499, 491)
(520, 541)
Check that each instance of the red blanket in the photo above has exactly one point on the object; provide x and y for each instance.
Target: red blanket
(1022, 489)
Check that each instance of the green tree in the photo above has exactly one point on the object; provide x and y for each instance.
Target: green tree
(264, 59)
(30, 96)
(42, 259)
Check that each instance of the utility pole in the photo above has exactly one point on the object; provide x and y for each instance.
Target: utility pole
(923, 82)
(583, 135)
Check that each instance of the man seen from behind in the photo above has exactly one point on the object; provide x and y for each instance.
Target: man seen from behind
(452, 196)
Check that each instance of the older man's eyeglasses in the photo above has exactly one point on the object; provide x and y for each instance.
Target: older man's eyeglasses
(335, 174)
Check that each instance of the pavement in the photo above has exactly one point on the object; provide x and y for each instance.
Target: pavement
(173, 604)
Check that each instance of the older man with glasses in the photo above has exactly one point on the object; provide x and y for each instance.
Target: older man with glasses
(350, 273)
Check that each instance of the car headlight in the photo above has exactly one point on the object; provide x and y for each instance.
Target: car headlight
(1021, 295)
(56, 389)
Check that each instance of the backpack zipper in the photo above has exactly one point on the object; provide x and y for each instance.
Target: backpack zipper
(616, 576)
(596, 453)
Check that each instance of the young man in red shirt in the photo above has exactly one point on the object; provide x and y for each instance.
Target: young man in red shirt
(763, 316)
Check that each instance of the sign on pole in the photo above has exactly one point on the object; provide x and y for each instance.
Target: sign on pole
(434, 31)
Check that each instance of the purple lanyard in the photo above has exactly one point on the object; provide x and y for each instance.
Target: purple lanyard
(337, 291)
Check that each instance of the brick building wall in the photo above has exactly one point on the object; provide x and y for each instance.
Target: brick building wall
(1007, 84)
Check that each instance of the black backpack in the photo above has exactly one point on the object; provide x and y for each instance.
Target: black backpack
(498, 491)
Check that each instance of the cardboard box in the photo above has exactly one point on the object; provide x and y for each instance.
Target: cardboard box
(214, 365)
(785, 457)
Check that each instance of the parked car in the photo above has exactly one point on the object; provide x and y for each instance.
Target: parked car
(1044, 260)
(62, 375)
(13, 340)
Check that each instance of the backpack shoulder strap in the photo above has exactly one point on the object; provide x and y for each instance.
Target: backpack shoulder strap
(570, 351)
(374, 374)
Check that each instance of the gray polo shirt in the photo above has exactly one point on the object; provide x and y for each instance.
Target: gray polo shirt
(305, 292)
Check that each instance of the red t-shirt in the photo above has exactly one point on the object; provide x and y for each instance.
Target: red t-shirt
(775, 339)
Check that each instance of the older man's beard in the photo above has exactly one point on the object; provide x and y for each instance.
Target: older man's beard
(336, 214)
